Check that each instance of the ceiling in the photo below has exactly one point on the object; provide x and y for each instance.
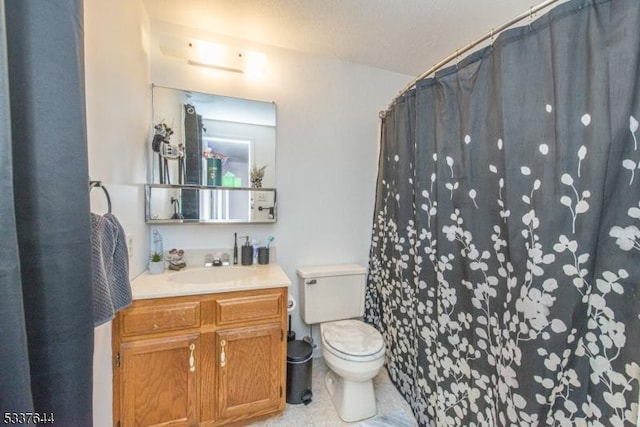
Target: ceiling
(404, 36)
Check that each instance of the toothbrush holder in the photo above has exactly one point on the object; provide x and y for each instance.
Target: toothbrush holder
(263, 255)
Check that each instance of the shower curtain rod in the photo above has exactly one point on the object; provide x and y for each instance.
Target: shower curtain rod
(456, 54)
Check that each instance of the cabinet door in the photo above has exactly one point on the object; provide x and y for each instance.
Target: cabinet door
(159, 381)
(250, 370)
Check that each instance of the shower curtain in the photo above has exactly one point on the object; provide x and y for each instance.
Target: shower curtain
(46, 322)
(505, 255)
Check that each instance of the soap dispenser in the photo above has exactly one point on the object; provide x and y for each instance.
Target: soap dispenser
(246, 255)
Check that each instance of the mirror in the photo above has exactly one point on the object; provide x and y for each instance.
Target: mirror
(212, 157)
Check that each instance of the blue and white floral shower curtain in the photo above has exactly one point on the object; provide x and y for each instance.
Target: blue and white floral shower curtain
(505, 257)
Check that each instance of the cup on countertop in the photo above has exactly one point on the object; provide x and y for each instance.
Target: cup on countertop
(263, 255)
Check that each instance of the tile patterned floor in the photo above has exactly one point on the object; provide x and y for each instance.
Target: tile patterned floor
(320, 412)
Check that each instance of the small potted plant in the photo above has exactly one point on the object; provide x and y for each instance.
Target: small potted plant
(215, 161)
(156, 263)
(257, 173)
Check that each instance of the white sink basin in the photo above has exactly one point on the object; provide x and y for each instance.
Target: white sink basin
(212, 275)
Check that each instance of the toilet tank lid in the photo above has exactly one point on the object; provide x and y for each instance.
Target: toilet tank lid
(309, 272)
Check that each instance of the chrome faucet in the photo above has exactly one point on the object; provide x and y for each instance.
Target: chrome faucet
(217, 260)
(208, 260)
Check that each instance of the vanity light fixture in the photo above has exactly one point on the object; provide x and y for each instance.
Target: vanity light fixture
(214, 55)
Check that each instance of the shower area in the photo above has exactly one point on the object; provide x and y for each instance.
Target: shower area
(505, 252)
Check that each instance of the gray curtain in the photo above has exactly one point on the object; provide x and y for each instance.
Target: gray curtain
(46, 343)
(505, 257)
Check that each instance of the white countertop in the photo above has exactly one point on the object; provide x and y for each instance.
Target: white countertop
(147, 286)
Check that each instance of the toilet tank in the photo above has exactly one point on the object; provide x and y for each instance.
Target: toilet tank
(331, 292)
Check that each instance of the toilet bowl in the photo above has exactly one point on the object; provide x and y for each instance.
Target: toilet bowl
(354, 352)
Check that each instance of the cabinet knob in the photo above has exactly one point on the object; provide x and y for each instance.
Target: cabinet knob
(223, 355)
(192, 358)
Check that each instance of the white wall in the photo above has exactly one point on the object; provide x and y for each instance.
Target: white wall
(118, 117)
(118, 98)
(327, 142)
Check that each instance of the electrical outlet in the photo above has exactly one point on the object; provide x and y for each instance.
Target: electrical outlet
(130, 245)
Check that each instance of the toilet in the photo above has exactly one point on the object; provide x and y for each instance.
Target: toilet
(333, 296)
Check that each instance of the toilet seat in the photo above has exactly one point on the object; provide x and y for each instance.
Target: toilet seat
(352, 340)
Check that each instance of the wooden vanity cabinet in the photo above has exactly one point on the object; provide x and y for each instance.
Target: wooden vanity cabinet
(200, 360)
(158, 382)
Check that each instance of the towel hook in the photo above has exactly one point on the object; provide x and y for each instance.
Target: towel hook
(94, 184)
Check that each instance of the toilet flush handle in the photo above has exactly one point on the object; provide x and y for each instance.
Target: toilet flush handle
(311, 282)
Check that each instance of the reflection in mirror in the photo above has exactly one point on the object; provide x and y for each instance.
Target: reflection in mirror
(206, 149)
(213, 140)
(165, 204)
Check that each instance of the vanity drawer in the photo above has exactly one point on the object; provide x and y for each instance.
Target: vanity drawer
(161, 317)
(248, 308)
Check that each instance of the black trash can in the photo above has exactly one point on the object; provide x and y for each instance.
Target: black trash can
(299, 365)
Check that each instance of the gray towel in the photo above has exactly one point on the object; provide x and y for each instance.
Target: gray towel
(110, 265)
